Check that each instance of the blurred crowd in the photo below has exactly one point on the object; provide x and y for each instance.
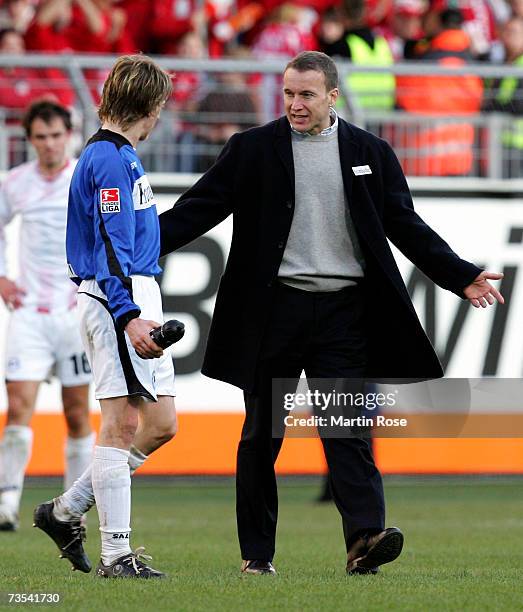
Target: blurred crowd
(373, 32)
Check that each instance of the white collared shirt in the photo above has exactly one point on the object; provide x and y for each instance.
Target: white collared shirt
(326, 132)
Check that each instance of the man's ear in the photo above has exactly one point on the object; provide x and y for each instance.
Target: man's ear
(333, 96)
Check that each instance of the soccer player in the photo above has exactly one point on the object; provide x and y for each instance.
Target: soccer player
(113, 245)
(43, 333)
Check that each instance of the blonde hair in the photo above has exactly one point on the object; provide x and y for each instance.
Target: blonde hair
(135, 88)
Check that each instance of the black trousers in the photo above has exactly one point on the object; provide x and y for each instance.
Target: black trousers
(325, 335)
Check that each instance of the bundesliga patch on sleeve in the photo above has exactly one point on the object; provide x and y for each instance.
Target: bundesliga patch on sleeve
(110, 200)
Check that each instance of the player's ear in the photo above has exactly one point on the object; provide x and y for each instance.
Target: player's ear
(333, 96)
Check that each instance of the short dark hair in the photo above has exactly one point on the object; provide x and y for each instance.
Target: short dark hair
(135, 88)
(315, 60)
(46, 111)
(451, 18)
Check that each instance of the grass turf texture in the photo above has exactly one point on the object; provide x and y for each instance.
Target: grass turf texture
(463, 551)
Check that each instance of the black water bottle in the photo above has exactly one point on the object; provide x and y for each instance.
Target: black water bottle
(168, 333)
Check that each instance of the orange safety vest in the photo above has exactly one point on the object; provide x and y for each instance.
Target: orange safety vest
(439, 147)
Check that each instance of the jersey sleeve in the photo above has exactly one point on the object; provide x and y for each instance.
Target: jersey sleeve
(6, 214)
(114, 230)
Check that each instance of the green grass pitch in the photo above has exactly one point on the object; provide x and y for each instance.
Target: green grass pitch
(463, 551)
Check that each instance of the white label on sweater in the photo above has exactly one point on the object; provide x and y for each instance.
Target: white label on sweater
(359, 170)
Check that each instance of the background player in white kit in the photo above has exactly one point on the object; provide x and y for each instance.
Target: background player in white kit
(113, 246)
(43, 334)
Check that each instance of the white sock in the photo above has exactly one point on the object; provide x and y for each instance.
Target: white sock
(112, 490)
(78, 457)
(79, 498)
(15, 451)
(136, 459)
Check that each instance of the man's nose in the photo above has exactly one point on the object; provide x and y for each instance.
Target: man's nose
(296, 104)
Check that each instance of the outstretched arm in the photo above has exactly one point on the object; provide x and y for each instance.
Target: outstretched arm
(417, 240)
(204, 205)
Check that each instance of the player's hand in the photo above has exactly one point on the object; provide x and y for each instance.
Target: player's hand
(11, 293)
(481, 293)
(138, 332)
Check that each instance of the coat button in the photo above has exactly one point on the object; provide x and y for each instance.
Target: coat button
(269, 284)
(288, 204)
(281, 244)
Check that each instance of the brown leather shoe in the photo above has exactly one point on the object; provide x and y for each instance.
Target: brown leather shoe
(255, 566)
(369, 552)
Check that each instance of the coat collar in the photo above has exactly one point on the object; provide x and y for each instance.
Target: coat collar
(347, 142)
(283, 146)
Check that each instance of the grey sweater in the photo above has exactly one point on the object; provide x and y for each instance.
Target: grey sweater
(322, 251)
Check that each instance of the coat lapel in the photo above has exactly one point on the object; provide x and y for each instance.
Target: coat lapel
(348, 154)
(283, 146)
(360, 206)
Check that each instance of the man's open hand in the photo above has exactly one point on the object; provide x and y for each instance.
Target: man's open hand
(481, 293)
(138, 332)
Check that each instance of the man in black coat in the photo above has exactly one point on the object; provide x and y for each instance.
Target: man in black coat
(311, 284)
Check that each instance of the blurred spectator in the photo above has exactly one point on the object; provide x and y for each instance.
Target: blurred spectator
(227, 22)
(362, 47)
(187, 86)
(170, 20)
(222, 114)
(404, 27)
(516, 8)
(226, 109)
(138, 22)
(281, 37)
(506, 96)
(501, 10)
(93, 26)
(187, 92)
(478, 23)
(378, 12)
(19, 86)
(443, 148)
(17, 14)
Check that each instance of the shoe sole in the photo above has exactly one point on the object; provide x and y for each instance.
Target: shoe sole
(106, 577)
(363, 571)
(40, 522)
(386, 550)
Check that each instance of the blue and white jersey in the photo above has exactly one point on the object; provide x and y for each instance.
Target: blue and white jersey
(112, 223)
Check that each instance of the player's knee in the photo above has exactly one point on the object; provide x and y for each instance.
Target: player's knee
(164, 432)
(19, 410)
(126, 428)
(77, 419)
(119, 429)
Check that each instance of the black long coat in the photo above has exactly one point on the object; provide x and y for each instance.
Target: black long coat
(254, 180)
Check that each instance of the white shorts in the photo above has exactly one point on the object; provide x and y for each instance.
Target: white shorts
(39, 345)
(117, 369)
